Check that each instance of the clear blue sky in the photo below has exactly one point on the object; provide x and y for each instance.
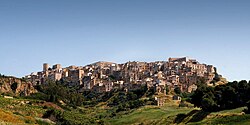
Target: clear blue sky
(80, 32)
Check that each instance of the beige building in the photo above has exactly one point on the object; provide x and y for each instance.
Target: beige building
(75, 76)
(181, 72)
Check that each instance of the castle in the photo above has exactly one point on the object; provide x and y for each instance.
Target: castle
(104, 76)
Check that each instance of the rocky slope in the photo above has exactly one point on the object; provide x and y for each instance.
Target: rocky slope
(16, 86)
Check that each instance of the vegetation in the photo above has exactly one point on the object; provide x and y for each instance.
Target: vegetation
(150, 115)
(177, 90)
(222, 97)
(62, 104)
(167, 89)
(172, 114)
(117, 101)
(56, 92)
(20, 111)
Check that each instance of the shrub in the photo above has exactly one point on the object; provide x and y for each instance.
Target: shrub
(38, 96)
(247, 111)
(177, 90)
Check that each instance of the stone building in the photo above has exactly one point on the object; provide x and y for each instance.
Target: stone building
(75, 76)
(175, 72)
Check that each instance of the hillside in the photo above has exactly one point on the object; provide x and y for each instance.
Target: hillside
(15, 86)
(57, 103)
(22, 111)
(29, 112)
(174, 115)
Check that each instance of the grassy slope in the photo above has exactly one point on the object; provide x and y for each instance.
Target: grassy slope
(228, 117)
(17, 111)
(12, 111)
(10, 118)
(168, 114)
(150, 115)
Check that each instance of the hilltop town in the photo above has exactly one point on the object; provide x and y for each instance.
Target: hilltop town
(102, 92)
(183, 72)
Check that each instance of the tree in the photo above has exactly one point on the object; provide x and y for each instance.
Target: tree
(167, 90)
(76, 99)
(217, 77)
(208, 104)
(201, 81)
(177, 90)
(248, 108)
(199, 94)
(229, 96)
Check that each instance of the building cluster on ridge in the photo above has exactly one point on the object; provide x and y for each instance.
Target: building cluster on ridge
(105, 76)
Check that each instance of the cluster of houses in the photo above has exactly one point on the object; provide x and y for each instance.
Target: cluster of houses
(105, 76)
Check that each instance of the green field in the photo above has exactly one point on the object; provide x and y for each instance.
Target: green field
(172, 114)
(150, 115)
